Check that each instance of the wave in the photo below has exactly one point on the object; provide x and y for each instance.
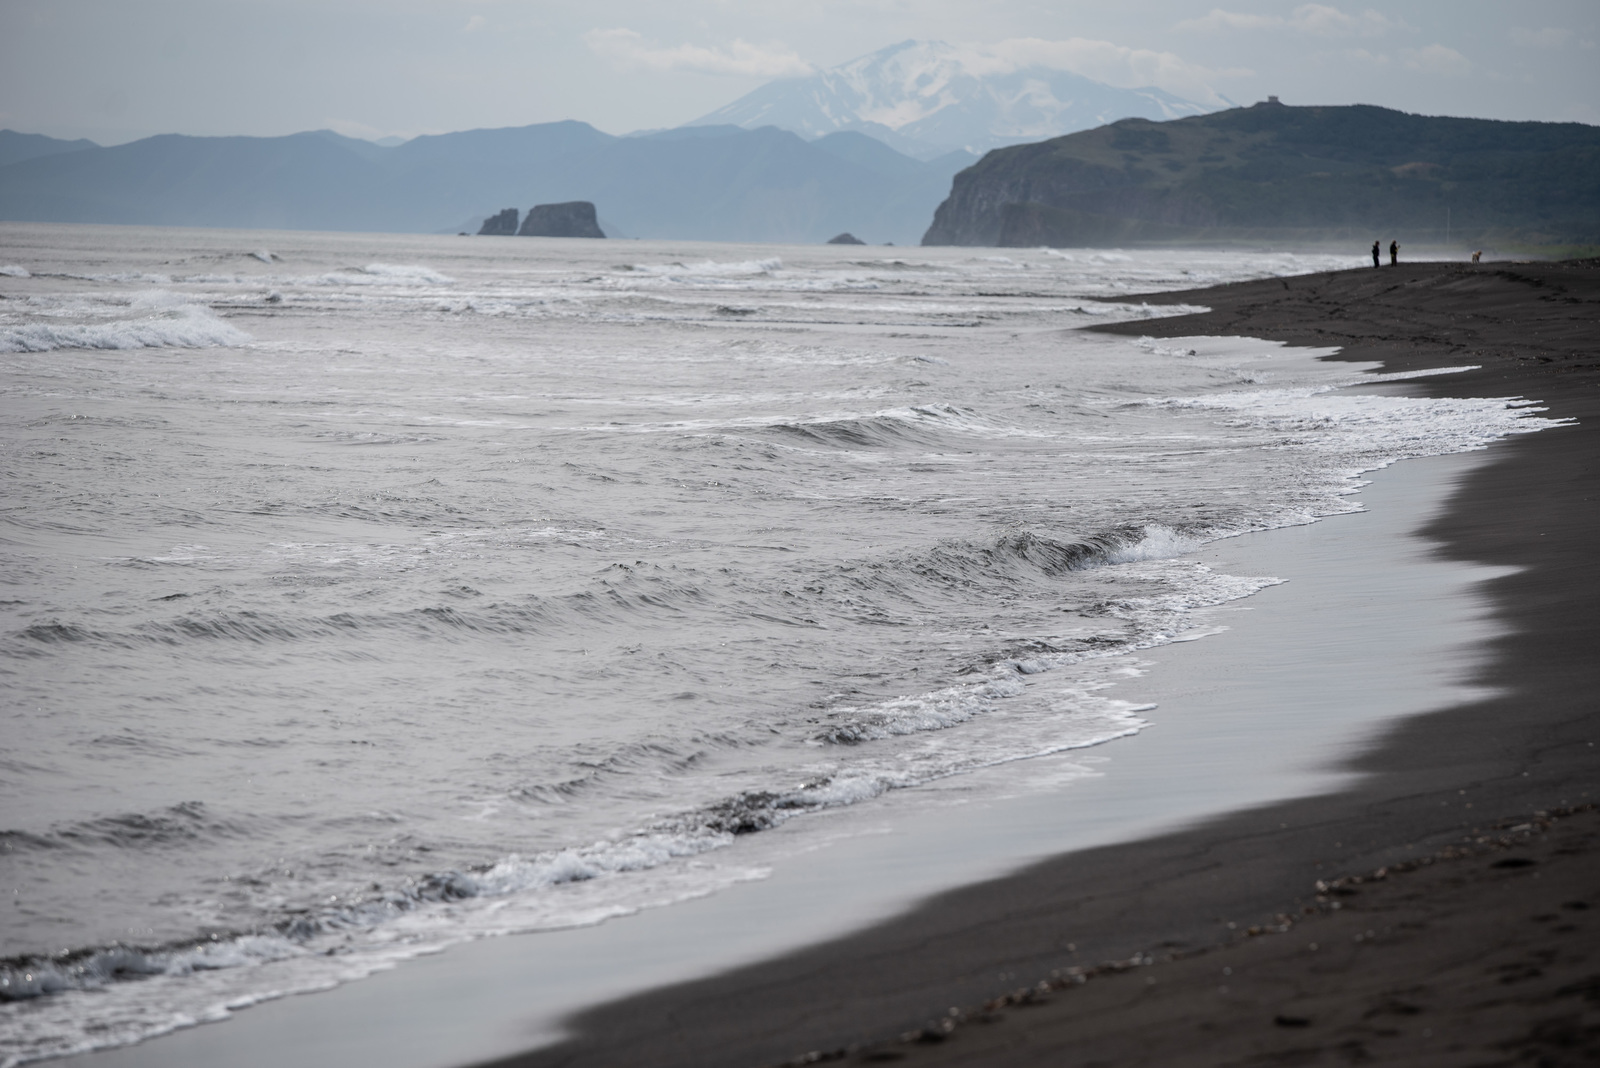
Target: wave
(380, 274)
(920, 425)
(171, 323)
(1373, 431)
(623, 592)
(709, 267)
(895, 265)
(1016, 553)
(176, 825)
(312, 932)
(155, 278)
(685, 835)
(1150, 345)
(927, 425)
(611, 599)
(92, 969)
(12, 270)
(923, 712)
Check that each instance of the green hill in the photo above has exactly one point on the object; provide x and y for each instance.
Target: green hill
(1272, 173)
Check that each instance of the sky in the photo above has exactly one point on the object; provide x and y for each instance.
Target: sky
(118, 70)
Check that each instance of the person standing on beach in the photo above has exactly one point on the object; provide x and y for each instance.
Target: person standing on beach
(1394, 253)
(1375, 254)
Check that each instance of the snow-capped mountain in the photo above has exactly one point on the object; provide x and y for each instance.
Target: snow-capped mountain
(927, 98)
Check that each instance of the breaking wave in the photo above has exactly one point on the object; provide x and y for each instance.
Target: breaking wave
(168, 323)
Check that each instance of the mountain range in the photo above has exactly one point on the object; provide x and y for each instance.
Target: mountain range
(928, 98)
(867, 147)
(871, 148)
(713, 183)
(1277, 174)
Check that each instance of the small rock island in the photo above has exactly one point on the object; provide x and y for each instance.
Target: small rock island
(575, 218)
(846, 238)
(505, 223)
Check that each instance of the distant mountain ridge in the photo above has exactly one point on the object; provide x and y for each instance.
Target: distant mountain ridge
(1274, 173)
(868, 147)
(16, 147)
(705, 183)
(927, 98)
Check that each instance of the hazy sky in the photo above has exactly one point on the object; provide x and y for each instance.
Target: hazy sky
(115, 70)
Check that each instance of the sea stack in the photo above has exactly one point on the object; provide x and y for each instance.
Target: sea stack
(846, 238)
(504, 223)
(575, 218)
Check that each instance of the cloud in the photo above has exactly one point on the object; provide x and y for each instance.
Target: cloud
(1549, 37)
(1436, 59)
(476, 22)
(629, 49)
(1319, 20)
(1361, 55)
(1327, 21)
(1114, 64)
(1218, 19)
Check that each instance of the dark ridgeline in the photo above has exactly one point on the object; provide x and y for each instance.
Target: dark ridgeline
(575, 218)
(503, 224)
(846, 238)
(1277, 173)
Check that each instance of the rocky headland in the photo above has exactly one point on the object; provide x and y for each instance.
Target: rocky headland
(1274, 173)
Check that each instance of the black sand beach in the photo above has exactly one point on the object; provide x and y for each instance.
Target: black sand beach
(1482, 947)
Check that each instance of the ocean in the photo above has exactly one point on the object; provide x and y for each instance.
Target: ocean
(368, 594)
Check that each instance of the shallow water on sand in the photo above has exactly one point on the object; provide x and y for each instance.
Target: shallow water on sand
(365, 594)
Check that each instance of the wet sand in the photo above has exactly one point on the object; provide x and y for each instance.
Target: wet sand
(1496, 962)
(1480, 954)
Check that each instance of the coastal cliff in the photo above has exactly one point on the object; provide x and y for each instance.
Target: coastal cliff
(1273, 172)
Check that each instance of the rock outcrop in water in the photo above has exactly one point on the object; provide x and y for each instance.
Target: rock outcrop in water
(846, 238)
(505, 223)
(1273, 173)
(575, 218)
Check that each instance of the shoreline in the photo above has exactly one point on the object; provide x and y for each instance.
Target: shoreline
(839, 873)
(1426, 783)
(972, 924)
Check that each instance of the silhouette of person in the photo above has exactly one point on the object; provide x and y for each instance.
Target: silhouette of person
(1375, 254)
(1394, 253)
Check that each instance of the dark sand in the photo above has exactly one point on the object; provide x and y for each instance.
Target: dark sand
(1471, 961)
